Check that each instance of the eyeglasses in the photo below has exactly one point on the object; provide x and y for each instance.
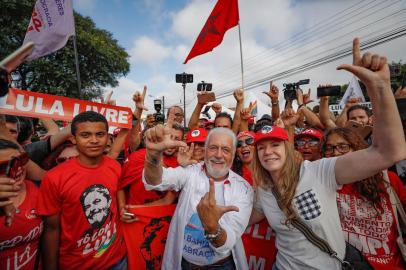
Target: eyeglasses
(248, 141)
(342, 148)
(311, 143)
(14, 163)
(60, 160)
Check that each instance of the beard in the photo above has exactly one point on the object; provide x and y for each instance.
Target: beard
(215, 172)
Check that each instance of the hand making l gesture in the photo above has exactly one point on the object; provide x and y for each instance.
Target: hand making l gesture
(209, 212)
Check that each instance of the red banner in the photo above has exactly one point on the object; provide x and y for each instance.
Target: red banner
(259, 245)
(38, 105)
(146, 238)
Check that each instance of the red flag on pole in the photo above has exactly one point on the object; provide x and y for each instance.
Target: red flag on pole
(223, 17)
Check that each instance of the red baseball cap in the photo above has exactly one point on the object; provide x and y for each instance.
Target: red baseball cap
(246, 133)
(196, 135)
(271, 132)
(310, 132)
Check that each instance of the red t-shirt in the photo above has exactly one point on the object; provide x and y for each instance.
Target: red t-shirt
(371, 233)
(132, 177)
(247, 175)
(85, 198)
(19, 243)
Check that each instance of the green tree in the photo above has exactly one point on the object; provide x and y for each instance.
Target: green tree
(102, 61)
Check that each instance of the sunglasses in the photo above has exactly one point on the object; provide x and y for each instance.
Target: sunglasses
(312, 143)
(60, 160)
(10, 167)
(248, 141)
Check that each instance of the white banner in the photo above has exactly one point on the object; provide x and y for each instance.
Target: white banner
(50, 26)
(353, 91)
(338, 107)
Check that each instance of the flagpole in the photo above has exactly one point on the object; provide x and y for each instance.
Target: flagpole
(242, 64)
(77, 66)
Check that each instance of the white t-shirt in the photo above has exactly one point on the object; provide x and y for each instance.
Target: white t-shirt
(196, 248)
(315, 204)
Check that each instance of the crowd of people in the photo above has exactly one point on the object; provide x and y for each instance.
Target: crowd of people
(331, 188)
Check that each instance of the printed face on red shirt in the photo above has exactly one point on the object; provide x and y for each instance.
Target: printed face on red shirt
(96, 201)
(91, 139)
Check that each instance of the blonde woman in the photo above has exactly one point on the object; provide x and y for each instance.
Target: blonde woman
(307, 190)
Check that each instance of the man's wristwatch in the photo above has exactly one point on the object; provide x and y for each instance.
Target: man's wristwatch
(213, 236)
(276, 102)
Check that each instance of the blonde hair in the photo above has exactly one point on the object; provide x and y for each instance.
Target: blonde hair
(289, 179)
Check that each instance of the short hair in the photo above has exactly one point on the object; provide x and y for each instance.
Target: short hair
(261, 123)
(225, 131)
(26, 128)
(174, 106)
(224, 115)
(13, 119)
(359, 107)
(88, 116)
(178, 127)
(6, 144)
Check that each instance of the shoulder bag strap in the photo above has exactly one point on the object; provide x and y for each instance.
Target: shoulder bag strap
(309, 234)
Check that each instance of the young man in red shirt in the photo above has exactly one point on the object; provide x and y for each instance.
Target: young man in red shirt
(79, 205)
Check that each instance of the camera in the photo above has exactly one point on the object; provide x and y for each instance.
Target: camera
(184, 78)
(203, 86)
(289, 92)
(159, 117)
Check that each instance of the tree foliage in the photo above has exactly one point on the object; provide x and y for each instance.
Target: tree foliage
(102, 61)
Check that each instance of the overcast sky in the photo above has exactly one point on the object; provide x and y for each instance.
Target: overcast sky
(276, 36)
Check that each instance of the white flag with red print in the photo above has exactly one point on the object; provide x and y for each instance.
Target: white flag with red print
(50, 26)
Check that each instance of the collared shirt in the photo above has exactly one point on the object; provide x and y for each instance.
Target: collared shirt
(194, 184)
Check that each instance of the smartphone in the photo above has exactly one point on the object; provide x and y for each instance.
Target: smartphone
(17, 57)
(204, 86)
(363, 131)
(129, 214)
(329, 91)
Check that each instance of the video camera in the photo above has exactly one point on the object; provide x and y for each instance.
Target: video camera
(159, 117)
(289, 92)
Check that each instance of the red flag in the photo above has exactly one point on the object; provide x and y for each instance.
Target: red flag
(223, 17)
(145, 239)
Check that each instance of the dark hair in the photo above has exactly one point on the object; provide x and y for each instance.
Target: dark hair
(88, 116)
(359, 107)
(26, 129)
(237, 165)
(224, 115)
(261, 123)
(371, 188)
(13, 119)
(6, 144)
(178, 127)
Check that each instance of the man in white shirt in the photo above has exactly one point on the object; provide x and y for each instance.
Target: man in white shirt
(205, 232)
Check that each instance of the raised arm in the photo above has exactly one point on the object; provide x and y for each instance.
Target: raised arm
(239, 97)
(157, 139)
(273, 94)
(135, 132)
(325, 114)
(388, 145)
(194, 118)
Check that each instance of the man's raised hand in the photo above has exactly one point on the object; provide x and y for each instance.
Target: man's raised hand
(185, 155)
(159, 138)
(139, 98)
(209, 212)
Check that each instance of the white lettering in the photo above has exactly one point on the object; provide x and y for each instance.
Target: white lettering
(76, 109)
(123, 117)
(111, 115)
(57, 107)
(38, 106)
(20, 103)
(253, 264)
(255, 232)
